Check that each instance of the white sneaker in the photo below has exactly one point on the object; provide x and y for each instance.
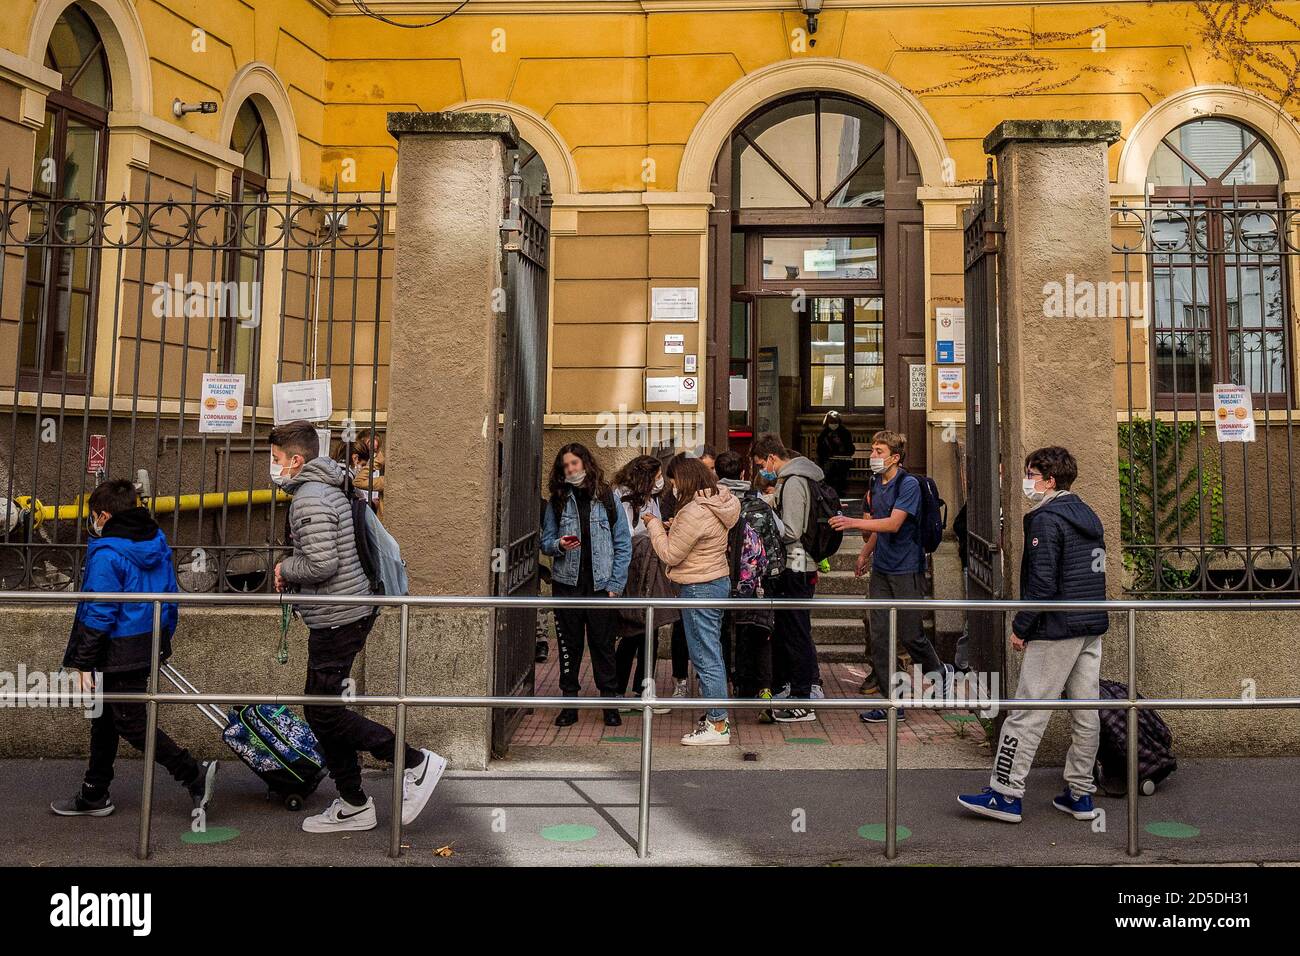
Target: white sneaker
(783, 693)
(706, 734)
(418, 783)
(341, 816)
(817, 693)
(682, 688)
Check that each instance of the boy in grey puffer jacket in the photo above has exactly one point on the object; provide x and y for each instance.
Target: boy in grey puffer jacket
(325, 561)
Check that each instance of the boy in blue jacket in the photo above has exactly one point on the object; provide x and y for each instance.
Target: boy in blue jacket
(1064, 559)
(111, 643)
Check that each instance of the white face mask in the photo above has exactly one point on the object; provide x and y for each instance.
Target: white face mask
(877, 465)
(96, 529)
(1030, 491)
(278, 475)
(577, 478)
(659, 485)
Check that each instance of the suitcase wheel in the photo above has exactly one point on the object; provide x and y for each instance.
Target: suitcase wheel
(293, 802)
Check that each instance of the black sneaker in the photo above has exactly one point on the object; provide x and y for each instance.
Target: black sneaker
(567, 717)
(542, 652)
(79, 806)
(794, 715)
(612, 719)
(202, 788)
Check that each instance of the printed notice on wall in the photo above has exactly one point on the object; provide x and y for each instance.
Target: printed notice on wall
(675, 304)
(950, 335)
(221, 404)
(688, 392)
(661, 390)
(950, 385)
(917, 382)
(311, 401)
(738, 398)
(1234, 419)
(674, 344)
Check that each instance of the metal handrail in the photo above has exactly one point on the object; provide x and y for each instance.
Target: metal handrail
(648, 701)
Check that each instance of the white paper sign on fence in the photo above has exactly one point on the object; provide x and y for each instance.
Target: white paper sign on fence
(311, 401)
(1234, 418)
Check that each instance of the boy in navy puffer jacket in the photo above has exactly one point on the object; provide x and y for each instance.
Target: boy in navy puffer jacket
(111, 643)
(1064, 559)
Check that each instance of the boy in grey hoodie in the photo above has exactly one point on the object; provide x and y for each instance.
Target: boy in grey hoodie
(792, 638)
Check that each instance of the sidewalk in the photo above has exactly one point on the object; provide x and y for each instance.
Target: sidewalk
(836, 740)
(1210, 811)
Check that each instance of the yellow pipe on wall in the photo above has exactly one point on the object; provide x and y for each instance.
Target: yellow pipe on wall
(164, 504)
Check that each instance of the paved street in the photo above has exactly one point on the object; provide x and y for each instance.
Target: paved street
(1210, 811)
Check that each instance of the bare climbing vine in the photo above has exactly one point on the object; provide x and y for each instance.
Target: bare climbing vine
(1270, 67)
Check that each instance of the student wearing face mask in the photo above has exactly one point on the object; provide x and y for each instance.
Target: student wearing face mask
(638, 486)
(893, 548)
(695, 551)
(1064, 559)
(325, 561)
(586, 533)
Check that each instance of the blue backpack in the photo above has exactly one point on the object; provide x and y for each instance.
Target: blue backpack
(381, 557)
(933, 515)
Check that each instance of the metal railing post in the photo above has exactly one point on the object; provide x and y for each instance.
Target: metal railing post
(647, 730)
(399, 732)
(1131, 747)
(150, 736)
(891, 744)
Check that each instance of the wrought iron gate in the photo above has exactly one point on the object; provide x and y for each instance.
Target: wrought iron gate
(522, 398)
(983, 235)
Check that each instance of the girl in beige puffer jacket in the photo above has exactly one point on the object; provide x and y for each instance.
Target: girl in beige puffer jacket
(695, 553)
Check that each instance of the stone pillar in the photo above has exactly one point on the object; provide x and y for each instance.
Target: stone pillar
(1057, 371)
(441, 449)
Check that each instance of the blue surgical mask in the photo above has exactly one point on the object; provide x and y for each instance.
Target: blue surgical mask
(766, 475)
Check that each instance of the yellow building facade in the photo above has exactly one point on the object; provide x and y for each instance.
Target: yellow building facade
(665, 127)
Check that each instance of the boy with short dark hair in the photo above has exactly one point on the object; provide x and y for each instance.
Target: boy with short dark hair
(325, 561)
(892, 543)
(1064, 559)
(112, 643)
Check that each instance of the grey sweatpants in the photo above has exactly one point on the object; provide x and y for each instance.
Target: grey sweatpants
(1072, 665)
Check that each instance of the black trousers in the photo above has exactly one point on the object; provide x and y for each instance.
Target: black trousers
(127, 722)
(794, 655)
(628, 652)
(753, 658)
(911, 629)
(593, 627)
(681, 654)
(340, 731)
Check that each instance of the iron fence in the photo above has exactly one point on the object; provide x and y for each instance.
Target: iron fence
(116, 310)
(1204, 290)
(648, 700)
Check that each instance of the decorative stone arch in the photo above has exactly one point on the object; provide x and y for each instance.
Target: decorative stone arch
(259, 82)
(541, 135)
(120, 29)
(809, 74)
(1204, 102)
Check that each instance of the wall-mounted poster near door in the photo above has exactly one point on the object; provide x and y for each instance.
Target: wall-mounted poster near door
(768, 418)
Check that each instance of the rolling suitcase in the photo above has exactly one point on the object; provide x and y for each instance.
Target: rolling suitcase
(1156, 759)
(272, 740)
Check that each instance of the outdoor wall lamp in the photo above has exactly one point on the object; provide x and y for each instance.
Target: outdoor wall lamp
(810, 9)
(179, 109)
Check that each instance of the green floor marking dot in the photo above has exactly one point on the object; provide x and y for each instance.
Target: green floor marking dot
(622, 740)
(568, 832)
(959, 718)
(1172, 829)
(876, 832)
(210, 835)
(805, 740)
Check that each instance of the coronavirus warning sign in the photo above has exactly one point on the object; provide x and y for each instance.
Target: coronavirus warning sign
(97, 456)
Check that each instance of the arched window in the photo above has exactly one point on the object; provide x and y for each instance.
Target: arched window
(1218, 284)
(71, 156)
(248, 197)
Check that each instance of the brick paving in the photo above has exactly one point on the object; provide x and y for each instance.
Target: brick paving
(832, 727)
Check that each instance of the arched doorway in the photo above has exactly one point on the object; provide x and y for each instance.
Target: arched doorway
(817, 272)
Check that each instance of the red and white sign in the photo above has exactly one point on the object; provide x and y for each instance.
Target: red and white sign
(97, 460)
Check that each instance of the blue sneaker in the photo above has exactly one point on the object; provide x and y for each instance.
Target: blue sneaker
(879, 716)
(1080, 808)
(989, 803)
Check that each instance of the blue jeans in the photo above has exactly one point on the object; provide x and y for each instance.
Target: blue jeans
(704, 639)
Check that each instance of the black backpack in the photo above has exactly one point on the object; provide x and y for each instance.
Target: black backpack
(758, 514)
(819, 539)
(933, 515)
